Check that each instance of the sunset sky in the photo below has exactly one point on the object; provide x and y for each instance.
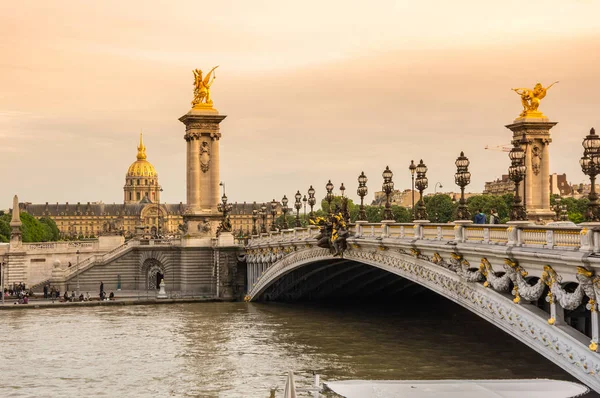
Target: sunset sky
(313, 90)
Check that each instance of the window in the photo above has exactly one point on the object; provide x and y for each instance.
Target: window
(137, 182)
(130, 196)
(137, 195)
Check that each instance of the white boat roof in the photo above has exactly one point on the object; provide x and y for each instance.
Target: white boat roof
(530, 388)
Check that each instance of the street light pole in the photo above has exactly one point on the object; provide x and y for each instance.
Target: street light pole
(412, 169)
(362, 192)
(78, 273)
(304, 199)
(298, 206)
(388, 188)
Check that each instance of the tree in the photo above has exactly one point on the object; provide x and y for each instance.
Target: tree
(440, 208)
(52, 231)
(337, 201)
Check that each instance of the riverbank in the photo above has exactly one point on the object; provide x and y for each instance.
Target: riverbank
(37, 304)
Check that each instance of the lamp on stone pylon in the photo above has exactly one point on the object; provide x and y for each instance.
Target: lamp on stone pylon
(388, 188)
(329, 195)
(516, 173)
(263, 214)
(254, 219)
(311, 202)
(362, 192)
(273, 214)
(590, 165)
(298, 206)
(421, 183)
(462, 179)
(413, 168)
(225, 208)
(284, 209)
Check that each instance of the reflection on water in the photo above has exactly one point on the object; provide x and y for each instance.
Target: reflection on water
(242, 350)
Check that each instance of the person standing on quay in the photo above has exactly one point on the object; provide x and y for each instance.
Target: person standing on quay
(101, 289)
(45, 291)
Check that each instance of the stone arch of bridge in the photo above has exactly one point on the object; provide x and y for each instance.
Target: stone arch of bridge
(560, 344)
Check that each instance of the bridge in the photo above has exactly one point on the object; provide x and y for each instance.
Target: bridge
(538, 284)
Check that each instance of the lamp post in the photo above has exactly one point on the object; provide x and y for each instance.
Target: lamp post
(225, 208)
(285, 209)
(2, 280)
(421, 184)
(345, 212)
(298, 206)
(273, 214)
(435, 187)
(516, 172)
(590, 165)
(524, 143)
(254, 219)
(311, 201)
(412, 169)
(304, 199)
(462, 179)
(388, 188)
(77, 273)
(263, 214)
(158, 213)
(329, 195)
(362, 192)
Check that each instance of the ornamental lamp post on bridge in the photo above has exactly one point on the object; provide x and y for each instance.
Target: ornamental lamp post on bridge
(263, 214)
(329, 195)
(516, 172)
(311, 202)
(304, 199)
(362, 192)
(462, 179)
(412, 169)
(225, 208)
(285, 209)
(421, 184)
(590, 165)
(254, 219)
(273, 214)
(388, 188)
(345, 212)
(298, 206)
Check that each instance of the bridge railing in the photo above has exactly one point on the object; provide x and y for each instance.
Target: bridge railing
(561, 238)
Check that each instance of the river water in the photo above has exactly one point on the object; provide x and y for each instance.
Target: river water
(242, 350)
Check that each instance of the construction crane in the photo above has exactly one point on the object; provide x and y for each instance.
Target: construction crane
(502, 148)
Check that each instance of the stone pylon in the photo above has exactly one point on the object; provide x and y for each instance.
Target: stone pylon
(202, 136)
(535, 188)
(15, 223)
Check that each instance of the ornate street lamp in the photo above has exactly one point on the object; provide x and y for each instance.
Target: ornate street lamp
(329, 195)
(311, 201)
(298, 206)
(388, 188)
(273, 214)
(362, 192)
(590, 165)
(462, 179)
(263, 214)
(421, 184)
(285, 209)
(304, 199)
(412, 169)
(254, 219)
(225, 208)
(345, 212)
(516, 173)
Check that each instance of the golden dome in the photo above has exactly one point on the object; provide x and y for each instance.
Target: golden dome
(141, 167)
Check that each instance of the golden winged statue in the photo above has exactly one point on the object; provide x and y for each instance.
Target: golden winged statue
(530, 99)
(202, 88)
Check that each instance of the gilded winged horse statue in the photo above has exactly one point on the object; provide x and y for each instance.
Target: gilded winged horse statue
(202, 87)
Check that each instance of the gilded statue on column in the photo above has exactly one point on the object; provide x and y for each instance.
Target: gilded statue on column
(530, 99)
(202, 88)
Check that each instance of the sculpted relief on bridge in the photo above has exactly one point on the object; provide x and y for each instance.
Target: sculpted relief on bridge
(502, 284)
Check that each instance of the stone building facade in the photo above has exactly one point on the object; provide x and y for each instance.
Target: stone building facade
(557, 182)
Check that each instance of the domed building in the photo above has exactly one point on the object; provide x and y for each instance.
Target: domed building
(141, 212)
(141, 179)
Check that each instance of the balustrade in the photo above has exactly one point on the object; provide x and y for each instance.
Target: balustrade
(559, 238)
